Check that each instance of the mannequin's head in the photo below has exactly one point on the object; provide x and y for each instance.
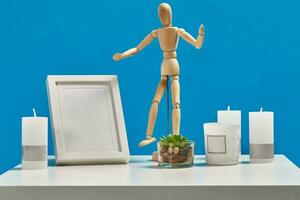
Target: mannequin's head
(165, 14)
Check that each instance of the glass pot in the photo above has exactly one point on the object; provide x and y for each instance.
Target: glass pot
(175, 157)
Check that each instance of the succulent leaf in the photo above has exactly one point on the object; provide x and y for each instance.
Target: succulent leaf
(174, 141)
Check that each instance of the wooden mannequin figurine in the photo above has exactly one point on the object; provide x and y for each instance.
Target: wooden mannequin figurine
(168, 40)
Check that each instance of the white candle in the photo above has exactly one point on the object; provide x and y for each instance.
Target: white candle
(261, 136)
(34, 142)
(222, 144)
(231, 117)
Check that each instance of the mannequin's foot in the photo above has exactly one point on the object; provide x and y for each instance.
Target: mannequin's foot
(147, 141)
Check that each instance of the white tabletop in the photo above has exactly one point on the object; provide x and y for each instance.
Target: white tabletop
(143, 172)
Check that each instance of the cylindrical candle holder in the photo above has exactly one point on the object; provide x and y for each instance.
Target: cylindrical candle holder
(34, 142)
(222, 144)
(261, 136)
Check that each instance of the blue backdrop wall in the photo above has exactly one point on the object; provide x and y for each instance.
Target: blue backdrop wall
(250, 59)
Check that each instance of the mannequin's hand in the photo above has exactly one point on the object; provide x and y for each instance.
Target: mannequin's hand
(118, 56)
(201, 30)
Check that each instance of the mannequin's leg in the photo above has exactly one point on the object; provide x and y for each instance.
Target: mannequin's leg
(175, 90)
(154, 107)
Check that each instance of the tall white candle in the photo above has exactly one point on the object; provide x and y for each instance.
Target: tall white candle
(230, 117)
(261, 136)
(34, 142)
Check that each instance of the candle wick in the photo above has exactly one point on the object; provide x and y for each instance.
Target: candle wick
(34, 113)
(228, 108)
(261, 109)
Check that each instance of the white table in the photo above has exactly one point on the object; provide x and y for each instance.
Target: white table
(142, 179)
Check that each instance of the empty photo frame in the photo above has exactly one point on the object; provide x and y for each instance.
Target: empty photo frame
(87, 120)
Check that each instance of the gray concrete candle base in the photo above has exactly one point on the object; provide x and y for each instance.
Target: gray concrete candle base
(261, 153)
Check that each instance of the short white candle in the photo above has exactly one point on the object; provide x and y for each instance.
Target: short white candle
(34, 142)
(230, 117)
(261, 136)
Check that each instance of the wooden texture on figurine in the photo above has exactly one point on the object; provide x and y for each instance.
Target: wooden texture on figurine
(168, 37)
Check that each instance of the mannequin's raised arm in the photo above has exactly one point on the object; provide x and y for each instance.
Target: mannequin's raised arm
(190, 39)
(130, 52)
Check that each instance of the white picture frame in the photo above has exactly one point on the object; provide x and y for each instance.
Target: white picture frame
(87, 119)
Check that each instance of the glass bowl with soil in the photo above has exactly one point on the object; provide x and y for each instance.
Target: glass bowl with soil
(175, 151)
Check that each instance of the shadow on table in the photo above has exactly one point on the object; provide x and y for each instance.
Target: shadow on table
(157, 167)
(151, 167)
(139, 161)
(244, 162)
(51, 163)
(201, 165)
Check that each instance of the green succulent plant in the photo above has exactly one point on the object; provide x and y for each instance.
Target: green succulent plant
(174, 141)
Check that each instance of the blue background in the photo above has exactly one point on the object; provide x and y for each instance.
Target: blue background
(250, 59)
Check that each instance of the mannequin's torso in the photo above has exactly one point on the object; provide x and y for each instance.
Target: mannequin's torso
(168, 41)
